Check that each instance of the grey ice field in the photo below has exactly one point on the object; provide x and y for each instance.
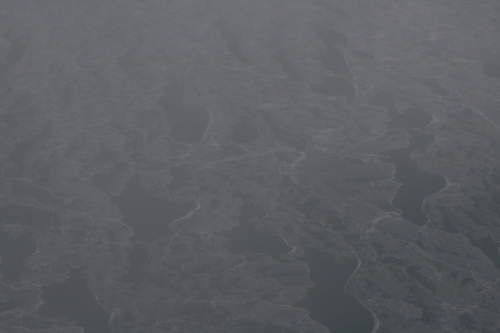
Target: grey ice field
(252, 166)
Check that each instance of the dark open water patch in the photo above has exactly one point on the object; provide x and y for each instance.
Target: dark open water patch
(413, 118)
(385, 99)
(22, 149)
(489, 248)
(308, 206)
(147, 214)
(74, 300)
(251, 327)
(494, 205)
(334, 61)
(492, 70)
(17, 48)
(365, 55)
(103, 181)
(416, 183)
(244, 132)
(335, 86)
(335, 9)
(7, 298)
(331, 37)
(245, 238)
(32, 217)
(448, 225)
(231, 39)
(187, 124)
(424, 281)
(138, 256)
(476, 217)
(327, 302)
(292, 138)
(433, 85)
(281, 57)
(18, 112)
(181, 177)
(13, 252)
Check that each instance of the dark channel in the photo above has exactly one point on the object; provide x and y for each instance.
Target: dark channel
(149, 215)
(416, 184)
(72, 299)
(327, 301)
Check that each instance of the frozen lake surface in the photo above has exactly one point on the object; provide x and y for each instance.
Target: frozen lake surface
(249, 166)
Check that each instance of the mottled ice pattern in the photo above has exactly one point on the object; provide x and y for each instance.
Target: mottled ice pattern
(250, 166)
